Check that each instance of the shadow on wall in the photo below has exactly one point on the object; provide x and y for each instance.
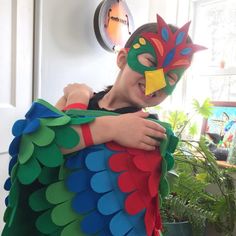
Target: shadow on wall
(71, 26)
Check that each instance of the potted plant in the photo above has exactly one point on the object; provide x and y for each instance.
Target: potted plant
(196, 169)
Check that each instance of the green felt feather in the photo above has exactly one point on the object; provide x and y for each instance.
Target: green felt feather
(73, 229)
(81, 120)
(66, 137)
(43, 136)
(7, 214)
(38, 201)
(63, 172)
(63, 214)
(49, 156)
(10, 214)
(48, 175)
(14, 171)
(173, 143)
(26, 149)
(55, 121)
(169, 161)
(44, 223)
(57, 193)
(164, 166)
(29, 171)
(49, 106)
(163, 147)
(14, 193)
(164, 187)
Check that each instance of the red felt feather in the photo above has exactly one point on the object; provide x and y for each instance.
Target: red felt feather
(140, 173)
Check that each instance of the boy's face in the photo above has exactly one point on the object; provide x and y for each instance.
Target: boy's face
(133, 84)
(157, 74)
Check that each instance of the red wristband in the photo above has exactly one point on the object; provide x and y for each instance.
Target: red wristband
(88, 140)
(76, 106)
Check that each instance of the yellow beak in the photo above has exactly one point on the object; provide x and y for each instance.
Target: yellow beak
(155, 80)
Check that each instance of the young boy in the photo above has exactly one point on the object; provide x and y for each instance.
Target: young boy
(107, 189)
(151, 64)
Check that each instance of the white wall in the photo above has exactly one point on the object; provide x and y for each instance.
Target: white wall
(69, 51)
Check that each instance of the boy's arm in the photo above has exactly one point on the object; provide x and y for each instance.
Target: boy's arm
(61, 103)
(130, 130)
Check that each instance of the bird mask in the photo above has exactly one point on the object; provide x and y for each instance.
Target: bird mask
(172, 52)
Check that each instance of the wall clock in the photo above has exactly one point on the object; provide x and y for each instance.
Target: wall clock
(113, 24)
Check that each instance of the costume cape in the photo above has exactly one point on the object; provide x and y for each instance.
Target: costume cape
(103, 189)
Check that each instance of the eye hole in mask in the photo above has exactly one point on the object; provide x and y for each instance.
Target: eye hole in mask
(172, 78)
(147, 60)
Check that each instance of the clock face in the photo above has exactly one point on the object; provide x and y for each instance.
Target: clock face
(113, 24)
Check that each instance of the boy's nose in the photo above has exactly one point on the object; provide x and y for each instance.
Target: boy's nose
(155, 80)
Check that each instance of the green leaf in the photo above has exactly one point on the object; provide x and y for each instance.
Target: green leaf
(43, 136)
(57, 193)
(177, 119)
(193, 129)
(205, 109)
(26, 149)
(29, 171)
(38, 201)
(49, 156)
(66, 137)
(63, 214)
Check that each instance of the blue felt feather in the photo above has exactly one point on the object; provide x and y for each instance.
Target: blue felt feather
(78, 181)
(38, 110)
(101, 182)
(85, 202)
(6, 201)
(105, 232)
(31, 126)
(75, 161)
(108, 204)
(95, 161)
(14, 146)
(94, 222)
(11, 164)
(7, 184)
(139, 230)
(169, 57)
(18, 127)
(164, 34)
(120, 225)
(179, 38)
(186, 51)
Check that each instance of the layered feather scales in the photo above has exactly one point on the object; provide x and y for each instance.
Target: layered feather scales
(104, 189)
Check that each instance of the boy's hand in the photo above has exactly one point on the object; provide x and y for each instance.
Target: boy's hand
(76, 92)
(132, 130)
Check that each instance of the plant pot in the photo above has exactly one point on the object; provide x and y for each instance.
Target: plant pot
(177, 229)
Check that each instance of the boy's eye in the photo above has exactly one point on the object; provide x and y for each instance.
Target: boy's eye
(151, 62)
(146, 60)
(172, 78)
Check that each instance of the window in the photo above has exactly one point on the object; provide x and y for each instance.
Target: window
(213, 73)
